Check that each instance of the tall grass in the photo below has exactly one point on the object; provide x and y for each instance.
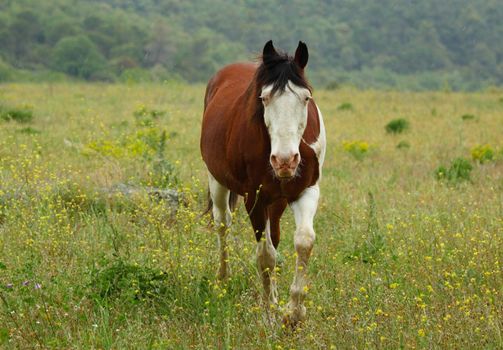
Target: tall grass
(401, 260)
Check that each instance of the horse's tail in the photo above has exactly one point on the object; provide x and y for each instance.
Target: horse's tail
(233, 200)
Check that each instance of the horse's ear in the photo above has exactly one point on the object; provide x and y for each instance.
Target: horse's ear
(268, 52)
(301, 55)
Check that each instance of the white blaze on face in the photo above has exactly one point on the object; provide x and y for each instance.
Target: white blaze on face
(285, 116)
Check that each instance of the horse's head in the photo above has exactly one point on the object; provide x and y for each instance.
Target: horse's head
(285, 96)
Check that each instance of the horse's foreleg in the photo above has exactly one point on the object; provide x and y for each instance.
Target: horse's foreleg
(222, 217)
(304, 210)
(266, 253)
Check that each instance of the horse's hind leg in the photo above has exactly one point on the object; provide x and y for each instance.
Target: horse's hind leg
(222, 217)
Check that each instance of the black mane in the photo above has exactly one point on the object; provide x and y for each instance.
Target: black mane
(277, 71)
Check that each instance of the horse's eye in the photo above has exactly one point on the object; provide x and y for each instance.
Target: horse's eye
(307, 99)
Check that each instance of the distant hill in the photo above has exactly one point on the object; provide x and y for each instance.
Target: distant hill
(427, 44)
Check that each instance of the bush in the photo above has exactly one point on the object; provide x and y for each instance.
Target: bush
(459, 170)
(397, 126)
(358, 149)
(482, 153)
(20, 115)
(333, 85)
(403, 145)
(131, 282)
(28, 130)
(468, 117)
(346, 106)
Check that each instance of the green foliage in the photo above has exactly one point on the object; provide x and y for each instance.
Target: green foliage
(397, 126)
(138, 41)
(6, 73)
(78, 56)
(482, 153)
(459, 170)
(20, 114)
(333, 85)
(370, 250)
(345, 106)
(135, 75)
(29, 131)
(146, 117)
(130, 282)
(164, 174)
(403, 145)
(468, 117)
(358, 149)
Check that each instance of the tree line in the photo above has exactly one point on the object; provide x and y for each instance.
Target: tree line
(410, 44)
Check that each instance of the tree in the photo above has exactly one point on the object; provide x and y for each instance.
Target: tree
(78, 56)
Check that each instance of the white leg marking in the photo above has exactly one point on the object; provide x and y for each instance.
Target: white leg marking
(222, 217)
(304, 210)
(266, 262)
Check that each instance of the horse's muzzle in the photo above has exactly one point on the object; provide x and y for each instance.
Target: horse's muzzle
(285, 167)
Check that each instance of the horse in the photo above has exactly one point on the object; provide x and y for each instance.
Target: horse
(263, 138)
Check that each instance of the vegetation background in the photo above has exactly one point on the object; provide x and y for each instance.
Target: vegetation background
(100, 107)
(417, 45)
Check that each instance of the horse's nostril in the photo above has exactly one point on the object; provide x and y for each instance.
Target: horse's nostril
(288, 161)
(295, 158)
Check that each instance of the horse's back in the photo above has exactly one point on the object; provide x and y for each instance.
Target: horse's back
(229, 82)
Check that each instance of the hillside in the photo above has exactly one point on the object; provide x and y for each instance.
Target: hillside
(416, 45)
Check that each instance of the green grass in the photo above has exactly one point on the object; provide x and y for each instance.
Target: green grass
(401, 260)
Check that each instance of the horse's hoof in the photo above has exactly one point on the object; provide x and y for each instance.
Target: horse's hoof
(291, 321)
(223, 274)
(294, 316)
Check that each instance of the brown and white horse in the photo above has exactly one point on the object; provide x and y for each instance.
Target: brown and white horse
(263, 138)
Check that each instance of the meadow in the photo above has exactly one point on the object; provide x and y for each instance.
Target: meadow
(409, 246)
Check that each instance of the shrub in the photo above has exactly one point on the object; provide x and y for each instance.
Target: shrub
(397, 126)
(345, 106)
(482, 153)
(20, 115)
(468, 117)
(357, 149)
(131, 282)
(403, 145)
(28, 130)
(333, 85)
(146, 117)
(459, 170)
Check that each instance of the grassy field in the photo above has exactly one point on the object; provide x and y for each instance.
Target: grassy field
(407, 254)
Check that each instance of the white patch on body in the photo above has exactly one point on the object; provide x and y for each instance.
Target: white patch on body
(320, 145)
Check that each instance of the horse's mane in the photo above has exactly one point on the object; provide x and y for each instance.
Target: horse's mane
(276, 71)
